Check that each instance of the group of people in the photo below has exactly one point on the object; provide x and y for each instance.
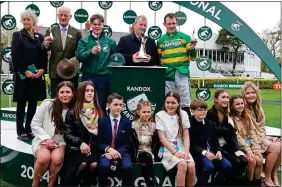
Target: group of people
(75, 136)
(173, 50)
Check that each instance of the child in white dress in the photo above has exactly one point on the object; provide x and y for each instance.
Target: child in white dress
(172, 124)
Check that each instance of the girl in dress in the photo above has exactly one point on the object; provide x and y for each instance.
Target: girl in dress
(81, 130)
(47, 125)
(172, 124)
(271, 147)
(145, 127)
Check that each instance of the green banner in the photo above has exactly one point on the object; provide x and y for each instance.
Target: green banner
(139, 83)
(221, 15)
(8, 115)
(228, 85)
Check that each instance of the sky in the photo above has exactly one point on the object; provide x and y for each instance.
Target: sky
(258, 15)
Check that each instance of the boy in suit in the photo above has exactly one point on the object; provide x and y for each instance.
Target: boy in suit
(113, 141)
(205, 147)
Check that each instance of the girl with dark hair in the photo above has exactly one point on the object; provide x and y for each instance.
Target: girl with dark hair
(172, 124)
(47, 125)
(248, 140)
(225, 132)
(144, 126)
(81, 130)
(271, 147)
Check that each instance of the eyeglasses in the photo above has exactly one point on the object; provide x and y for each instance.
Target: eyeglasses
(202, 109)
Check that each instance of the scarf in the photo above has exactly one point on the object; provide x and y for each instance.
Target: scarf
(89, 117)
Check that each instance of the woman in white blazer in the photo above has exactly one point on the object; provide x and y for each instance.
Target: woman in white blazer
(47, 125)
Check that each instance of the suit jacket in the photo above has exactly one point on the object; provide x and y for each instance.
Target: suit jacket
(122, 142)
(225, 130)
(200, 135)
(130, 44)
(25, 52)
(56, 47)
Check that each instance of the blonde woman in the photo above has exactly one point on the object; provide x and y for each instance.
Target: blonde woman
(30, 64)
(270, 147)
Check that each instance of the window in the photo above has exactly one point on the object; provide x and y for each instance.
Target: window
(214, 55)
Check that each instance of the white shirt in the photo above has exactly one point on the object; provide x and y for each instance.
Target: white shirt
(113, 123)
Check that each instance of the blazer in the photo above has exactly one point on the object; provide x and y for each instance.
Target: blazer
(25, 52)
(200, 135)
(57, 51)
(122, 142)
(130, 44)
(225, 130)
(76, 133)
(42, 125)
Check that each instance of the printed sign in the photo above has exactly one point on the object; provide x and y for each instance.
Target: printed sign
(81, 15)
(56, 3)
(155, 32)
(181, 18)
(204, 63)
(8, 22)
(35, 8)
(129, 16)
(8, 87)
(229, 85)
(203, 93)
(7, 54)
(107, 30)
(155, 5)
(105, 4)
(204, 33)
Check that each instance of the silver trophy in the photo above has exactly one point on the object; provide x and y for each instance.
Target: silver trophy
(194, 39)
(51, 35)
(142, 54)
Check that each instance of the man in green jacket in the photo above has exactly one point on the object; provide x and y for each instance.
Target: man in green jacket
(176, 49)
(94, 53)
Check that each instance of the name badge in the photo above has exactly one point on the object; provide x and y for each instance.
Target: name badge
(248, 141)
(70, 36)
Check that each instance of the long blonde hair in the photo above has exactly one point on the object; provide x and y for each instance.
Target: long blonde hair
(255, 108)
(244, 115)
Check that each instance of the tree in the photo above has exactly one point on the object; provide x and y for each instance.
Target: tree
(272, 39)
(229, 42)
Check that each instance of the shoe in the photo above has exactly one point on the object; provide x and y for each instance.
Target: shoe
(30, 135)
(23, 137)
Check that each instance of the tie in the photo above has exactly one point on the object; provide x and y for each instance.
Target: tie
(114, 133)
(63, 37)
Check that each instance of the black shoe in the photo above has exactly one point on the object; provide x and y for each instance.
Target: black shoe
(30, 135)
(23, 137)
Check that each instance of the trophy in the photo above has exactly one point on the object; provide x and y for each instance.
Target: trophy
(98, 42)
(142, 54)
(194, 39)
(51, 35)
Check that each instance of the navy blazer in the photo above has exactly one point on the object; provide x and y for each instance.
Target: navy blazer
(130, 44)
(200, 135)
(122, 142)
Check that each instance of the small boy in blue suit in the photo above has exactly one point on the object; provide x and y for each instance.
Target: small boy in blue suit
(113, 141)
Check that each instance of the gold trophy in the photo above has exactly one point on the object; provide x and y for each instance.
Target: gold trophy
(142, 54)
(51, 35)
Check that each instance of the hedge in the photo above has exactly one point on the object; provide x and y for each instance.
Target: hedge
(209, 82)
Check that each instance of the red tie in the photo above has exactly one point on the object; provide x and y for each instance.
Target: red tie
(115, 133)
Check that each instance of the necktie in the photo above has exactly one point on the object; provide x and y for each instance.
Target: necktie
(63, 37)
(114, 133)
